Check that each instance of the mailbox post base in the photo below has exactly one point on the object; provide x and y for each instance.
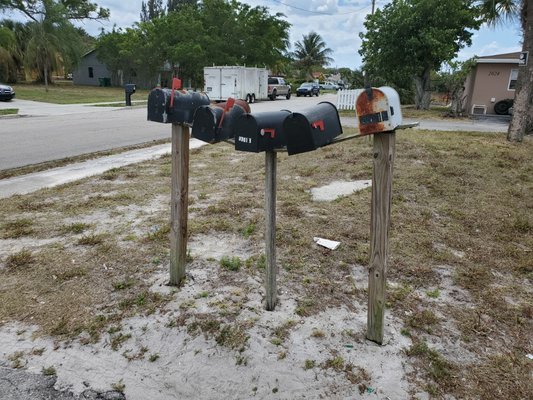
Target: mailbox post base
(179, 203)
(384, 153)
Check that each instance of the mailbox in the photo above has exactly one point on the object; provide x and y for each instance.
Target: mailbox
(129, 89)
(260, 131)
(212, 124)
(174, 106)
(312, 128)
(378, 110)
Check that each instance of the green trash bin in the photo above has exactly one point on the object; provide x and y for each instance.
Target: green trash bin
(107, 82)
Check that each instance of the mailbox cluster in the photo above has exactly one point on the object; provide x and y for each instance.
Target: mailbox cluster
(267, 131)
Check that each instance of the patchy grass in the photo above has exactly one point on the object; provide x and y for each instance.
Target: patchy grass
(9, 111)
(67, 93)
(461, 222)
(230, 263)
(19, 259)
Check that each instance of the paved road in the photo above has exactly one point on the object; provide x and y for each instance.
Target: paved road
(51, 132)
(31, 140)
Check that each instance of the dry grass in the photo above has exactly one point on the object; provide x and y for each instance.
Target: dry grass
(461, 223)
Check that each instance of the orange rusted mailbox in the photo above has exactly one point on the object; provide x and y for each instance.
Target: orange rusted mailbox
(378, 110)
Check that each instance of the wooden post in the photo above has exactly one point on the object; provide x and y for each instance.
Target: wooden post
(384, 153)
(270, 234)
(179, 203)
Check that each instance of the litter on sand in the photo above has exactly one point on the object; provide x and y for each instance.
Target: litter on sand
(329, 244)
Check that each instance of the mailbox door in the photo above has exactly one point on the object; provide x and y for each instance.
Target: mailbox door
(157, 105)
(373, 112)
(205, 123)
(312, 128)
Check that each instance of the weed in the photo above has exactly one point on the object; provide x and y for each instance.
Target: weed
(241, 360)
(92, 239)
(424, 320)
(17, 228)
(231, 264)
(317, 333)
(17, 360)
(434, 294)
(159, 234)
(118, 340)
(38, 352)
(49, 371)
(232, 337)
(153, 357)
(248, 230)
(124, 284)
(76, 227)
(309, 364)
(118, 386)
(19, 259)
(336, 363)
(282, 355)
(276, 341)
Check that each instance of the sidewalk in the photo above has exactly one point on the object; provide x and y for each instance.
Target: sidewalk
(58, 176)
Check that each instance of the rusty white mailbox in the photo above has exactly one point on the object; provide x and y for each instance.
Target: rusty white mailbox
(378, 110)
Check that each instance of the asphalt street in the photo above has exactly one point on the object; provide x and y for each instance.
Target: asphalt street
(47, 132)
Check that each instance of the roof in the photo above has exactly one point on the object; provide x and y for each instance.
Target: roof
(505, 58)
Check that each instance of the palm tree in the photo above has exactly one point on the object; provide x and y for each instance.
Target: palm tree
(8, 50)
(498, 11)
(312, 52)
(53, 41)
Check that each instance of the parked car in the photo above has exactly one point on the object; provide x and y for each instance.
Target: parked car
(308, 89)
(6, 92)
(329, 86)
(278, 87)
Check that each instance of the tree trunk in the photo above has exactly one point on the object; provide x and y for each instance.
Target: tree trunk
(423, 90)
(522, 121)
(45, 77)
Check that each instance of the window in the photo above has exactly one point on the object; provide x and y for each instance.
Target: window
(91, 72)
(512, 79)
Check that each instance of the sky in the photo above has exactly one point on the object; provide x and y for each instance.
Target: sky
(338, 22)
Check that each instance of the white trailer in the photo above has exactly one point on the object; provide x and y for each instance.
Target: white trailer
(245, 83)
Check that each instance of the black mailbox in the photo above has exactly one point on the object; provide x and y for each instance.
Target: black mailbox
(212, 124)
(260, 131)
(129, 89)
(174, 106)
(312, 128)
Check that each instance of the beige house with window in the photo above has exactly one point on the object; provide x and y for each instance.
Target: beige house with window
(493, 79)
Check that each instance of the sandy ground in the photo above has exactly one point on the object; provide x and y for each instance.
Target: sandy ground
(181, 365)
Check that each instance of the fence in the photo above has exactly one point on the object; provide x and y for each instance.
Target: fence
(346, 99)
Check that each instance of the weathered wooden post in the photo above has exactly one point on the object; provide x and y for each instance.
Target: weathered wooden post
(179, 203)
(270, 233)
(384, 153)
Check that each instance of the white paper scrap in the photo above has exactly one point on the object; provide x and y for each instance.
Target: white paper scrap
(329, 244)
(530, 356)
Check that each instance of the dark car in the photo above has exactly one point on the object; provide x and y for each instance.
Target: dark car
(308, 89)
(6, 92)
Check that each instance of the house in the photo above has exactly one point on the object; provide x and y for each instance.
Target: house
(91, 71)
(493, 79)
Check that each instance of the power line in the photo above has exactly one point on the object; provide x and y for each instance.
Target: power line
(320, 12)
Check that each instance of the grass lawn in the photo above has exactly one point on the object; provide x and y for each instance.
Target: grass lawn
(78, 260)
(66, 93)
(9, 111)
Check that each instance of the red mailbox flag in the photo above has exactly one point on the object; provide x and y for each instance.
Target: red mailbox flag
(176, 84)
(229, 104)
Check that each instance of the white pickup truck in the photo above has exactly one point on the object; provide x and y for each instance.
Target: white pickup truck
(278, 87)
